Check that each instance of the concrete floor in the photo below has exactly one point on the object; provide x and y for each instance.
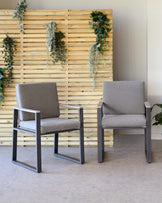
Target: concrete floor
(124, 177)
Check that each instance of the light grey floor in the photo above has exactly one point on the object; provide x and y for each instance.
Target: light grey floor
(124, 177)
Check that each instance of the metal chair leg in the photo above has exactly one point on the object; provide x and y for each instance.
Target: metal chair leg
(103, 145)
(148, 144)
(14, 146)
(81, 136)
(82, 145)
(38, 143)
(145, 142)
(56, 143)
(38, 167)
(100, 145)
(38, 147)
(14, 135)
(81, 160)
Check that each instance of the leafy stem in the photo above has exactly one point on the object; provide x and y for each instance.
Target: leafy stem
(8, 52)
(100, 25)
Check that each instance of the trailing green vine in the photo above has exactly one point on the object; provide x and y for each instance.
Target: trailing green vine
(8, 52)
(1, 84)
(101, 26)
(55, 44)
(19, 13)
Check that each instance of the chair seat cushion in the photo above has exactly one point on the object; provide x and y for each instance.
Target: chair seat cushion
(51, 125)
(123, 120)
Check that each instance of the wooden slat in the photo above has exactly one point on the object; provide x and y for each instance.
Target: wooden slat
(75, 87)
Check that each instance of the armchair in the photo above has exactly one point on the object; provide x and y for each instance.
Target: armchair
(38, 114)
(123, 107)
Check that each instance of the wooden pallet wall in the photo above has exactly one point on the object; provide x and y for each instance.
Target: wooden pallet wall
(75, 87)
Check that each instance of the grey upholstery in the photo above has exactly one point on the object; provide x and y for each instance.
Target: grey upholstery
(125, 120)
(38, 96)
(123, 97)
(51, 125)
(123, 106)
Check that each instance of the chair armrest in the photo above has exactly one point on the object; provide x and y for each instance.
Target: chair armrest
(37, 118)
(71, 107)
(147, 104)
(26, 110)
(99, 113)
(80, 111)
(100, 104)
(148, 113)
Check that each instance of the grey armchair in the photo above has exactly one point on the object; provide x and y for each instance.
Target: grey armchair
(38, 114)
(123, 107)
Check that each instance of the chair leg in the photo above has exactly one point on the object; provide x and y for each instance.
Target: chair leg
(14, 146)
(38, 147)
(100, 144)
(38, 168)
(14, 135)
(81, 160)
(148, 144)
(145, 142)
(56, 143)
(82, 145)
(103, 144)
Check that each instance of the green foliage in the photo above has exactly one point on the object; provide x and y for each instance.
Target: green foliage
(8, 52)
(1, 84)
(55, 44)
(58, 52)
(158, 116)
(19, 13)
(51, 28)
(101, 26)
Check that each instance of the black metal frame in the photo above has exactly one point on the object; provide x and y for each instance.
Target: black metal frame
(147, 129)
(38, 135)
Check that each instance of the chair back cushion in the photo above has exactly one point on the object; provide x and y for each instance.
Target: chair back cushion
(38, 96)
(123, 97)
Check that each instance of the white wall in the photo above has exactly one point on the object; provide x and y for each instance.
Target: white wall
(129, 16)
(155, 58)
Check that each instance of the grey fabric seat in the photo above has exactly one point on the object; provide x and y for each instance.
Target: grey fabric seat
(123, 107)
(51, 125)
(38, 113)
(123, 120)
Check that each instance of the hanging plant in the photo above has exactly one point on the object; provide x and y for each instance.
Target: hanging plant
(1, 84)
(55, 44)
(58, 52)
(19, 13)
(158, 116)
(8, 51)
(101, 26)
(93, 61)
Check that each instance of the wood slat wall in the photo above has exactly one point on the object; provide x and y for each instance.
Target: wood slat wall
(75, 87)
